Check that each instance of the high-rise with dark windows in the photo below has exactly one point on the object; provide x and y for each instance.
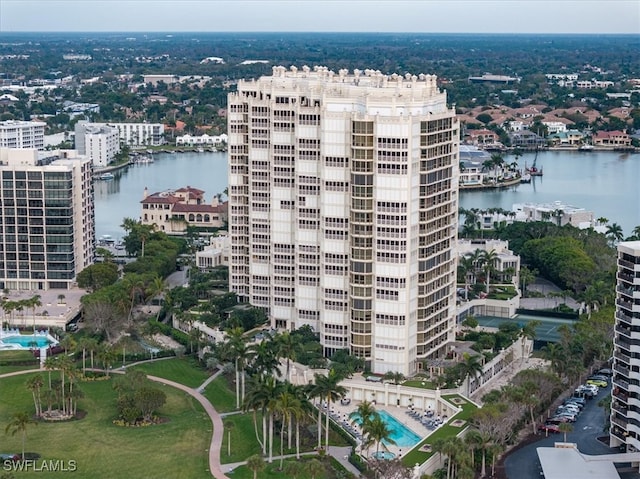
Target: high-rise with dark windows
(47, 222)
(625, 400)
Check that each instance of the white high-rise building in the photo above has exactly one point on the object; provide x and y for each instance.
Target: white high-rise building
(99, 142)
(22, 134)
(343, 209)
(625, 400)
(48, 225)
(131, 134)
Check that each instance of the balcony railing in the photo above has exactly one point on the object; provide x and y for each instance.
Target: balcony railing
(619, 421)
(622, 383)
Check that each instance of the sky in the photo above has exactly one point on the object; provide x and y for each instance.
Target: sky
(428, 16)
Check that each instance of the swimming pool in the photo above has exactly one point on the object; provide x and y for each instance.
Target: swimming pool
(401, 435)
(386, 455)
(26, 341)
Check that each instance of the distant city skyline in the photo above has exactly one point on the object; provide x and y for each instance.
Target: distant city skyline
(415, 16)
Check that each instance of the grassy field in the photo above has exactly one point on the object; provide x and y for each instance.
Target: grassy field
(417, 456)
(9, 358)
(176, 449)
(220, 396)
(272, 471)
(181, 370)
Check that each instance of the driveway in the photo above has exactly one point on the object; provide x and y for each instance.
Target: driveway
(524, 464)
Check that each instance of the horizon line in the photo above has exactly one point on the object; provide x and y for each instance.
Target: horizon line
(315, 32)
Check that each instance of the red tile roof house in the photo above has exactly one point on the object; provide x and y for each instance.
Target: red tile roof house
(172, 211)
(611, 138)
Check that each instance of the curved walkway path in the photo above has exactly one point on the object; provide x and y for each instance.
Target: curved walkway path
(218, 429)
(339, 453)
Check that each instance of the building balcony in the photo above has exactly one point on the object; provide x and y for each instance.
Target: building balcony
(628, 264)
(622, 356)
(628, 305)
(619, 433)
(623, 330)
(621, 382)
(625, 318)
(622, 370)
(620, 408)
(619, 421)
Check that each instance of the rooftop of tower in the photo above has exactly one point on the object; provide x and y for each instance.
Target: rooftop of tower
(368, 86)
(368, 77)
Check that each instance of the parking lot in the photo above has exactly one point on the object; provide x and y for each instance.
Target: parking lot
(524, 463)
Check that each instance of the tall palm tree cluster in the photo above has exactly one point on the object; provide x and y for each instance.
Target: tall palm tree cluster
(473, 224)
(9, 307)
(262, 377)
(477, 266)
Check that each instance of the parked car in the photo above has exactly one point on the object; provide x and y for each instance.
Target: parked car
(549, 427)
(601, 383)
(605, 372)
(558, 420)
(579, 401)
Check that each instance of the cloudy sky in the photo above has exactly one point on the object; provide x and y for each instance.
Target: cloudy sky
(467, 16)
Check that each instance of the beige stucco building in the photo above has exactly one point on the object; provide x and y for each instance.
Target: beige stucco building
(343, 209)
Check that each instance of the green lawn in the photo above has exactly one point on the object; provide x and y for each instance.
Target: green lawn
(271, 471)
(176, 449)
(220, 396)
(417, 456)
(181, 370)
(419, 383)
(8, 360)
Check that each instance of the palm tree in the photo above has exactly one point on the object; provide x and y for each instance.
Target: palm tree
(327, 388)
(614, 233)
(470, 366)
(314, 468)
(34, 384)
(488, 265)
(364, 413)
(19, 423)
(565, 427)
(287, 406)
(396, 377)
(261, 390)
(528, 331)
(473, 440)
(287, 347)
(107, 356)
(256, 464)
(292, 469)
(378, 431)
(33, 303)
(527, 276)
(236, 348)
(465, 266)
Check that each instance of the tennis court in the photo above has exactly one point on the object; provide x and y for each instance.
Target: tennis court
(547, 330)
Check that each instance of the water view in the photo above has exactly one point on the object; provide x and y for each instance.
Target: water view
(603, 182)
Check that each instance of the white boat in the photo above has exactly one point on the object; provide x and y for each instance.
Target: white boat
(145, 160)
(585, 147)
(526, 178)
(106, 176)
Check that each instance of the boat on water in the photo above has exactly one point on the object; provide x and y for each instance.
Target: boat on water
(526, 178)
(144, 160)
(106, 176)
(533, 170)
(586, 147)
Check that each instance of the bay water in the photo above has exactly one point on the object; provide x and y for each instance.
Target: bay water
(605, 182)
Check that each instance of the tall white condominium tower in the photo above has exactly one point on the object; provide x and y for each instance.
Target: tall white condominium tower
(343, 209)
(47, 219)
(625, 401)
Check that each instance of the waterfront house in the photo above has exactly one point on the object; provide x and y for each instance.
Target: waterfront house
(172, 211)
(614, 139)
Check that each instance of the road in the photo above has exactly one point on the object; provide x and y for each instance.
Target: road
(524, 463)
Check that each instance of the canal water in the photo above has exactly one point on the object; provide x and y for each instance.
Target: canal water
(607, 183)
